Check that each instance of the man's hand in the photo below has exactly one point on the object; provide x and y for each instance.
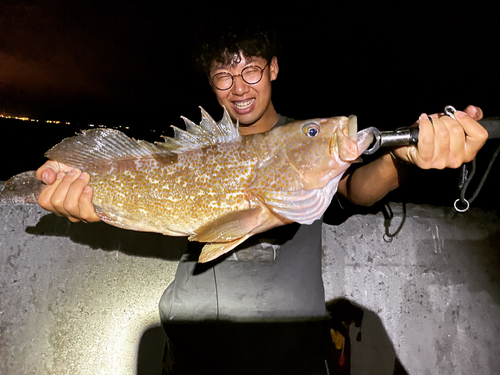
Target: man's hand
(444, 142)
(67, 192)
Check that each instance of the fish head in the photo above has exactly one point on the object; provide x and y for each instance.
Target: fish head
(321, 149)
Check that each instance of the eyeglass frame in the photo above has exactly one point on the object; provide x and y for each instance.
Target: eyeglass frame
(241, 76)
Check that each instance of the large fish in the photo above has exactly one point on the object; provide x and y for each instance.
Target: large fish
(212, 184)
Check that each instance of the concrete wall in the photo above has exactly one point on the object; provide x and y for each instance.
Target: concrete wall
(81, 299)
(75, 298)
(435, 288)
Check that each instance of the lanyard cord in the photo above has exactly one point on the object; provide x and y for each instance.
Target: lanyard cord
(466, 178)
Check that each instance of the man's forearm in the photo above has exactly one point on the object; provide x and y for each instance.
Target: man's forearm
(370, 183)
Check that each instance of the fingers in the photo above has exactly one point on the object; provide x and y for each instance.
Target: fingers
(422, 156)
(67, 197)
(86, 208)
(475, 135)
(70, 196)
(445, 142)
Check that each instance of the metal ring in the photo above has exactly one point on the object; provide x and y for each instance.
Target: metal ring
(387, 238)
(462, 209)
(449, 110)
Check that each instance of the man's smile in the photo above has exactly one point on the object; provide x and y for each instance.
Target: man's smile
(244, 104)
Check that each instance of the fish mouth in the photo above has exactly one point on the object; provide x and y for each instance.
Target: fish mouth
(364, 138)
(344, 138)
(347, 142)
(352, 128)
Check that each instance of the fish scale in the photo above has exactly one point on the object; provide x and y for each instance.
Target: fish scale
(212, 184)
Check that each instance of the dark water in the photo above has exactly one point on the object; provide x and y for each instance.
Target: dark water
(24, 144)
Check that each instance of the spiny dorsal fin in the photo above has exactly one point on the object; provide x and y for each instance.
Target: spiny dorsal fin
(95, 146)
(92, 147)
(207, 133)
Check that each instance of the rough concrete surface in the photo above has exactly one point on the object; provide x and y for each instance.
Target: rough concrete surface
(76, 299)
(82, 299)
(435, 287)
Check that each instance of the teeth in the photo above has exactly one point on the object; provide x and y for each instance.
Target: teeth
(245, 104)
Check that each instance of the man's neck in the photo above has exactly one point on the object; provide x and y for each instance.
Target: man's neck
(264, 124)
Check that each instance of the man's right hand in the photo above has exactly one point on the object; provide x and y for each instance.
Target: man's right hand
(67, 192)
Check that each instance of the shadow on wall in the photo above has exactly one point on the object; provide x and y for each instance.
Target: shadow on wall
(360, 344)
(150, 352)
(109, 238)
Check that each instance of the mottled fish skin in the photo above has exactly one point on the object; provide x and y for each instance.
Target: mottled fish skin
(212, 184)
(173, 194)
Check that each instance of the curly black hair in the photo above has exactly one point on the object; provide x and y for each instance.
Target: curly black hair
(223, 44)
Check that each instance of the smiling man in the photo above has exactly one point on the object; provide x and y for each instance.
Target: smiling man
(244, 87)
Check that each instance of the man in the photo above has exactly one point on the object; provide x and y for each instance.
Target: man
(272, 283)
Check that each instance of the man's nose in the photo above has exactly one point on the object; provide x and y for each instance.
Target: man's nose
(240, 87)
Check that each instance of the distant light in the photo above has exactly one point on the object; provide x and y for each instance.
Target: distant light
(15, 117)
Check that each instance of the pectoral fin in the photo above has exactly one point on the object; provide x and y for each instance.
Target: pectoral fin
(227, 232)
(214, 250)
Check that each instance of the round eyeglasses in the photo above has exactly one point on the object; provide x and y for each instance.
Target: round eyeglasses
(251, 74)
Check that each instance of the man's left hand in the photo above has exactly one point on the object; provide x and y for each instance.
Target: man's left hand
(444, 142)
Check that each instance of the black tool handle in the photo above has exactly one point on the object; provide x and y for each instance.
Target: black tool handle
(492, 126)
(409, 136)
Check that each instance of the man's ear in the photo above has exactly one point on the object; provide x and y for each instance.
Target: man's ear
(274, 68)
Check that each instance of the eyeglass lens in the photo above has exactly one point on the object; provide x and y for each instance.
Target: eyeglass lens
(251, 74)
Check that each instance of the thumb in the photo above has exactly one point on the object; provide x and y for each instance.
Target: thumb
(474, 112)
(47, 173)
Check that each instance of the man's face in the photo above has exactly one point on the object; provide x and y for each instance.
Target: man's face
(250, 104)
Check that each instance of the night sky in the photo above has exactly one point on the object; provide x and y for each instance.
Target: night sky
(129, 62)
(116, 59)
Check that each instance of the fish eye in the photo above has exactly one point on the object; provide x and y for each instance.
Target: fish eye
(311, 129)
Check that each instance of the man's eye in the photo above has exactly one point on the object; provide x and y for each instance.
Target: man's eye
(311, 130)
(222, 77)
(252, 70)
